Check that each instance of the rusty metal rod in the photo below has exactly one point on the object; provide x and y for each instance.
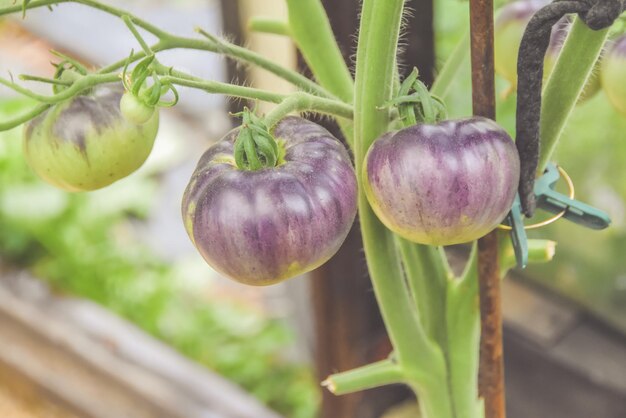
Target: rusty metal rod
(491, 372)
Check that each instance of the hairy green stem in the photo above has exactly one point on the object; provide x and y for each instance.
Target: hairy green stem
(242, 54)
(419, 357)
(216, 87)
(128, 21)
(375, 57)
(373, 375)
(26, 77)
(298, 101)
(24, 117)
(565, 84)
(303, 101)
(268, 25)
(463, 332)
(170, 41)
(427, 278)
(79, 85)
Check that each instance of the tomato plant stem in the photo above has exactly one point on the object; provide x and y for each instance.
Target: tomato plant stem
(128, 21)
(26, 77)
(170, 41)
(427, 279)
(565, 84)
(421, 360)
(221, 46)
(294, 102)
(268, 25)
(375, 57)
(298, 101)
(22, 118)
(373, 375)
(82, 83)
(303, 101)
(463, 333)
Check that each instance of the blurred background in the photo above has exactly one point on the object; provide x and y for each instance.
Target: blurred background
(107, 310)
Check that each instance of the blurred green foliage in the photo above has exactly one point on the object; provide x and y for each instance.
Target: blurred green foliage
(85, 244)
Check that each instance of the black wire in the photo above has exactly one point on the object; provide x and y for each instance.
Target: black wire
(597, 14)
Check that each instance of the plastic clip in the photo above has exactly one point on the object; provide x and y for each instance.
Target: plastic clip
(560, 205)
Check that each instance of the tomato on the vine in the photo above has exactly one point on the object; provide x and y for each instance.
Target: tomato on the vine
(85, 143)
(613, 74)
(134, 110)
(442, 184)
(263, 226)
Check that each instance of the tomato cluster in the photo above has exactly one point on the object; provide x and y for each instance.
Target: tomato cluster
(265, 205)
(431, 183)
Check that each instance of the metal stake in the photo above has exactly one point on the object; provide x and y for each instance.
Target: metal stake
(491, 373)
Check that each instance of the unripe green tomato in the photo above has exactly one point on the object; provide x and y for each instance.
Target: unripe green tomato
(134, 110)
(511, 21)
(85, 143)
(613, 75)
(510, 24)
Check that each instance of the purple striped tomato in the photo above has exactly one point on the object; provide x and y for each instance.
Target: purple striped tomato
(260, 227)
(442, 184)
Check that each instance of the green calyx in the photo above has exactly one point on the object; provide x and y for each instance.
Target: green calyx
(136, 83)
(415, 104)
(255, 147)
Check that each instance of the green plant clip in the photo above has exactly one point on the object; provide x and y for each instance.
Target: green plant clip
(575, 211)
(554, 202)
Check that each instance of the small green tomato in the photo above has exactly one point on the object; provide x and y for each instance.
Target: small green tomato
(613, 74)
(134, 110)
